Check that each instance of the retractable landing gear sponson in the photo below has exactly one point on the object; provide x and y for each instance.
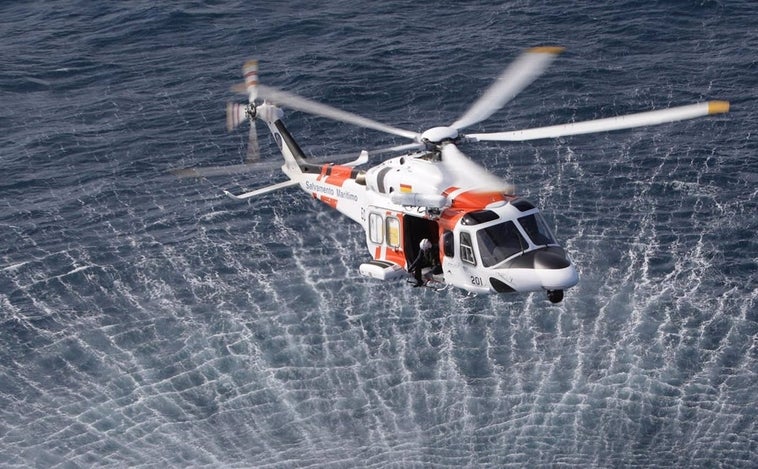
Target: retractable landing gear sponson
(555, 296)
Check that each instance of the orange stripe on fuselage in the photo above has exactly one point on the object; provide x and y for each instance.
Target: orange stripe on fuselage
(449, 219)
(474, 200)
(338, 175)
(386, 253)
(396, 256)
(468, 201)
(334, 175)
(329, 201)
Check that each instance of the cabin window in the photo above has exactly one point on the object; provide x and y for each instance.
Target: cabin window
(536, 228)
(448, 244)
(375, 228)
(467, 249)
(393, 232)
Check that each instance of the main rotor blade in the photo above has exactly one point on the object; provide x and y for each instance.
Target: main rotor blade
(397, 148)
(612, 123)
(527, 67)
(209, 171)
(312, 107)
(375, 152)
(260, 166)
(469, 174)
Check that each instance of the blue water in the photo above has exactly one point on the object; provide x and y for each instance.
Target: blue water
(150, 321)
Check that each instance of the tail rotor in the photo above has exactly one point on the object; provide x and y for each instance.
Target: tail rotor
(250, 72)
(237, 113)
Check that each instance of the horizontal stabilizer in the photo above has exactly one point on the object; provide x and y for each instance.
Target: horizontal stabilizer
(362, 159)
(262, 190)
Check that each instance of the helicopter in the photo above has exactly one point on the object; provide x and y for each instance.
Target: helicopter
(485, 238)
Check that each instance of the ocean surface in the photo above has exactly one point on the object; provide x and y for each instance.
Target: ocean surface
(149, 321)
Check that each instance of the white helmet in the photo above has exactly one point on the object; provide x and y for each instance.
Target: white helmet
(425, 244)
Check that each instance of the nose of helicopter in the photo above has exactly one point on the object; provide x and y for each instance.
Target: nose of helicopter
(550, 260)
(551, 266)
(557, 278)
(555, 270)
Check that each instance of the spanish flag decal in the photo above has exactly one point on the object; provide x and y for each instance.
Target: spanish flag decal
(405, 188)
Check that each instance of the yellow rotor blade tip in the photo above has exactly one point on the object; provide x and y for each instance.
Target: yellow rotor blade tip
(547, 50)
(718, 107)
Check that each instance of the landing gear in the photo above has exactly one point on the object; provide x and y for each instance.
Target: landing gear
(555, 296)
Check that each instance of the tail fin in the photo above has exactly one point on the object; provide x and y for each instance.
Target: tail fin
(295, 161)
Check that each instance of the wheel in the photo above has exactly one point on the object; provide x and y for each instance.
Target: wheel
(555, 296)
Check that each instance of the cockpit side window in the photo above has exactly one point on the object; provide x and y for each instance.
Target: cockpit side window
(499, 242)
(536, 228)
(467, 249)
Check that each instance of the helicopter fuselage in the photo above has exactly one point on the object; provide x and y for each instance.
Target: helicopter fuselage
(486, 241)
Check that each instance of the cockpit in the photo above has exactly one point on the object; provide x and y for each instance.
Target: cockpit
(503, 240)
(504, 248)
(498, 242)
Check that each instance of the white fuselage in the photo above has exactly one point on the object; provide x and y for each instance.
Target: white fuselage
(488, 241)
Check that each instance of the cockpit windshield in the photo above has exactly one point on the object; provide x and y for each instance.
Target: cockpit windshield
(536, 228)
(499, 242)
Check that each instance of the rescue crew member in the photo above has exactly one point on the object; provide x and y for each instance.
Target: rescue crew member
(427, 257)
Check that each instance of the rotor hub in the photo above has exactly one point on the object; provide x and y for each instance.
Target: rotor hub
(251, 112)
(439, 134)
